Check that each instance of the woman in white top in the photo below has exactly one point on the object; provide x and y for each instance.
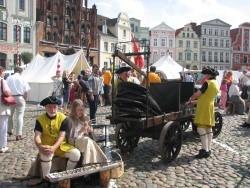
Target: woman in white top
(4, 113)
(80, 134)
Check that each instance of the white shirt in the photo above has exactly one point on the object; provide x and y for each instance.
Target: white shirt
(234, 90)
(17, 85)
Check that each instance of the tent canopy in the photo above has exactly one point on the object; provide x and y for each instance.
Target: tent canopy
(39, 72)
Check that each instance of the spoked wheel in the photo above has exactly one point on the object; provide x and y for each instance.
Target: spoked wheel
(126, 138)
(170, 141)
(185, 125)
(218, 124)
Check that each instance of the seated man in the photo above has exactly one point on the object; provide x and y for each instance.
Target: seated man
(50, 130)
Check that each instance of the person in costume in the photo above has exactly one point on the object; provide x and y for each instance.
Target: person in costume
(80, 134)
(123, 76)
(204, 116)
(50, 131)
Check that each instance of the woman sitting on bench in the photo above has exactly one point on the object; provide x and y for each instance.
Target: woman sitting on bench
(80, 134)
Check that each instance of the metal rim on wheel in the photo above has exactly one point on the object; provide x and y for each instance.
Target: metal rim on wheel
(170, 141)
(218, 124)
(126, 138)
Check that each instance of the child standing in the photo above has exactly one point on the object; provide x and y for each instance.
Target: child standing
(223, 98)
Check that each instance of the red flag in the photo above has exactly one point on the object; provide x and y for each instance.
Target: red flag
(139, 61)
(58, 69)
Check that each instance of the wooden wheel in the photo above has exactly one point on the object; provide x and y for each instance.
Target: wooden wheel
(126, 138)
(218, 124)
(185, 125)
(170, 141)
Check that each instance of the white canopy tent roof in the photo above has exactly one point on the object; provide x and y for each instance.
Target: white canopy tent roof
(39, 72)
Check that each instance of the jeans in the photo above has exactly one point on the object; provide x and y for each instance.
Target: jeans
(107, 89)
(19, 108)
(93, 105)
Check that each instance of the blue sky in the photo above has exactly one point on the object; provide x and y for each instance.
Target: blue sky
(177, 13)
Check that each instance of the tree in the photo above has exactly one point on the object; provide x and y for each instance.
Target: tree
(26, 57)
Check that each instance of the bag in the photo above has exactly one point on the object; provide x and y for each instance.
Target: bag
(84, 86)
(7, 100)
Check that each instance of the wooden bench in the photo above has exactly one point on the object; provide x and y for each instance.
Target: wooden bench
(231, 107)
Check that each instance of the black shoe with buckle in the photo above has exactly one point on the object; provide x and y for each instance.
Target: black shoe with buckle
(245, 125)
(203, 154)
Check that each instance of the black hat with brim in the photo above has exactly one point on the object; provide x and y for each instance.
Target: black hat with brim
(122, 69)
(50, 100)
(210, 71)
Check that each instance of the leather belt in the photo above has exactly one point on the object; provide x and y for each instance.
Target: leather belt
(17, 95)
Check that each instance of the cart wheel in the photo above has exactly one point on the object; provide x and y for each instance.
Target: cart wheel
(185, 125)
(218, 124)
(126, 138)
(170, 141)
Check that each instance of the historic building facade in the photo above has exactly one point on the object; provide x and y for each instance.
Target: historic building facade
(188, 46)
(240, 47)
(216, 44)
(17, 31)
(68, 26)
(162, 40)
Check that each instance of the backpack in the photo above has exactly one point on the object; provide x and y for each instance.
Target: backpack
(84, 86)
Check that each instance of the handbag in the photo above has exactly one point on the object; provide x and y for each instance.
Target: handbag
(7, 100)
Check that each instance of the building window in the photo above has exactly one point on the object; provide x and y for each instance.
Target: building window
(183, 34)
(3, 31)
(155, 42)
(216, 42)
(210, 32)
(238, 48)
(205, 31)
(26, 36)
(226, 33)
(188, 56)
(227, 43)
(188, 35)
(17, 33)
(48, 20)
(162, 53)
(227, 57)
(210, 58)
(187, 44)
(55, 21)
(192, 35)
(124, 33)
(180, 43)
(245, 48)
(132, 27)
(216, 32)
(236, 59)
(216, 56)
(124, 48)
(245, 60)
(112, 47)
(246, 33)
(55, 37)
(204, 40)
(105, 46)
(204, 56)
(210, 42)
(68, 11)
(48, 5)
(2, 2)
(245, 42)
(180, 56)
(221, 43)
(170, 43)
(222, 32)
(195, 44)
(221, 57)
(163, 42)
(195, 57)
(136, 29)
(73, 12)
(21, 4)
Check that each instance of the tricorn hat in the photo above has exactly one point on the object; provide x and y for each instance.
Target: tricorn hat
(122, 69)
(50, 100)
(210, 71)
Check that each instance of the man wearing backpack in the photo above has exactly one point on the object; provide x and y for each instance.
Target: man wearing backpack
(84, 89)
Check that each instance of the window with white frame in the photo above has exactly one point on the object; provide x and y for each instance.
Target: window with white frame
(155, 42)
(124, 33)
(112, 47)
(215, 67)
(188, 56)
(236, 58)
(105, 46)
(195, 57)
(216, 32)
(245, 59)
(246, 42)
(180, 43)
(246, 32)
(222, 33)
(188, 44)
(216, 56)
(226, 33)
(210, 32)
(227, 43)
(210, 42)
(210, 58)
(205, 31)
(26, 33)
(204, 56)
(221, 68)
(105, 64)
(163, 42)
(2, 2)
(221, 57)
(21, 4)
(216, 42)
(227, 57)
(204, 41)
(180, 56)
(124, 48)
(3, 31)
(195, 44)
(162, 53)
(170, 43)
(221, 43)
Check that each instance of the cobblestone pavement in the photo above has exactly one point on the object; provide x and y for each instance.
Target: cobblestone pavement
(228, 165)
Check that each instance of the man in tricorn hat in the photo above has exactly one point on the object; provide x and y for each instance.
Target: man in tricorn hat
(49, 137)
(123, 76)
(204, 115)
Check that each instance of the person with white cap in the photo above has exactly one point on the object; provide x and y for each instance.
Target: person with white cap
(50, 130)
(234, 96)
(204, 116)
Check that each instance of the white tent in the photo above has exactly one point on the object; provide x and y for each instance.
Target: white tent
(39, 72)
(168, 67)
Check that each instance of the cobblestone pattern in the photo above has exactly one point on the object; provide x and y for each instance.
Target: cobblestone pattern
(228, 165)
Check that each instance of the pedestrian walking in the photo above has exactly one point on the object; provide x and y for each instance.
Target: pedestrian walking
(4, 113)
(107, 77)
(66, 90)
(204, 116)
(58, 87)
(19, 89)
(223, 94)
